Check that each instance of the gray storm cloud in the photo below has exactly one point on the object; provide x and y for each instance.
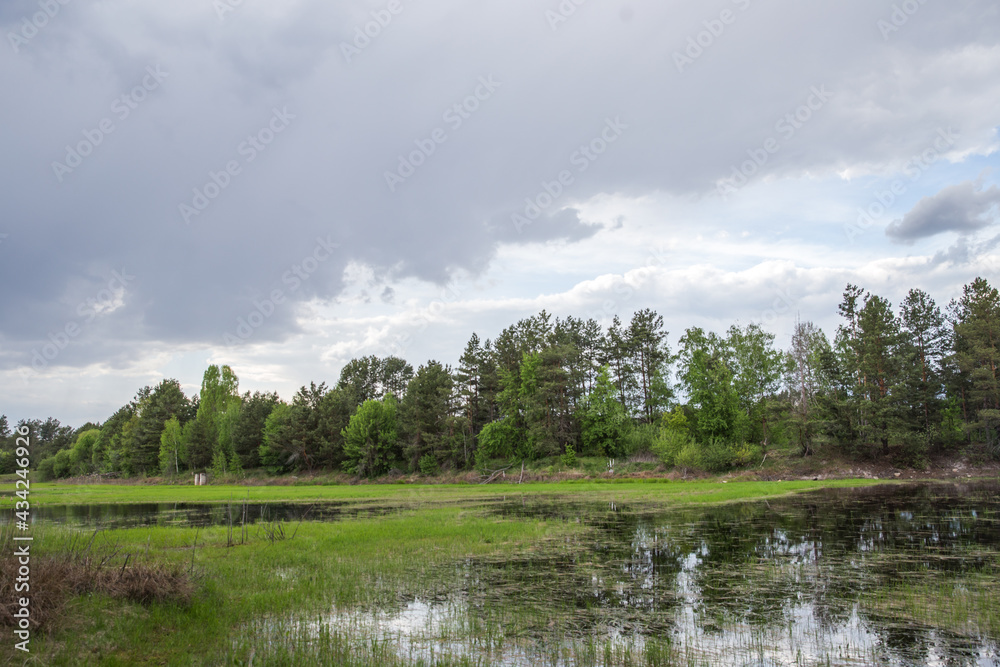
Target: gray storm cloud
(963, 208)
(270, 125)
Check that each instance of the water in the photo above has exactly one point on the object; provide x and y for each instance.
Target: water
(136, 515)
(894, 575)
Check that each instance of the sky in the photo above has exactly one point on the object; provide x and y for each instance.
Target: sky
(283, 186)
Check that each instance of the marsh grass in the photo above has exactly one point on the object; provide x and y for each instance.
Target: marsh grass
(607, 574)
(353, 563)
(85, 567)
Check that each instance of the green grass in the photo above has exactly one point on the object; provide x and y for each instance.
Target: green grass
(272, 602)
(651, 489)
(354, 563)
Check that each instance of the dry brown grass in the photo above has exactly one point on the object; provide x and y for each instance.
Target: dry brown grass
(83, 570)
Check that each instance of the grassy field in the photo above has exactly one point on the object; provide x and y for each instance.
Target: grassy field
(299, 593)
(652, 489)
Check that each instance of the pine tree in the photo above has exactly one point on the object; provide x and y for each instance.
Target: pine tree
(877, 347)
(976, 323)
(922, 348)
(650, 356)
(424, 414)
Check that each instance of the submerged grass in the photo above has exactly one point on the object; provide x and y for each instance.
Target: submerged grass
(451, 579)
(352, 563)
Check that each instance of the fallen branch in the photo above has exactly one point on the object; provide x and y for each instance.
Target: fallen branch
(496, 473)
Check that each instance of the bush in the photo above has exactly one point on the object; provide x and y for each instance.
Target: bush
(689, 457)
(497, 440)
(428, 464)
(46, 470)
(639, 439)
(718, 455)
(747, 454)
(62, 465)
(569, 458)
(913, 452)
(668, 444)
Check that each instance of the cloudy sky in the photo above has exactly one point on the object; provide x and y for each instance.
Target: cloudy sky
(285, 185)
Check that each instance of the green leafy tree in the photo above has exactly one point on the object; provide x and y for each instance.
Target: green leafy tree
(173, 453)
(758, 369)
(370, 439)
(106, 455)
(807, 383)
(498, 440)
(371, 378)
(82, 454)
(707, 380)
(218, 412)
(673, 436)
(140, 442)
(335, 410)
(604, 422)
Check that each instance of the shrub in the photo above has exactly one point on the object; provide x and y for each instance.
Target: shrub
(672, 436)
(569, 458)
(62, 464)
(668, 444)
(46, 470)
(718, 455)
(689, 457)
(497, 440)
(639, 439)
(428, 464)
(747, 454)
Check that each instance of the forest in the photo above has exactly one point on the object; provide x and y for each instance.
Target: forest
(902, 384)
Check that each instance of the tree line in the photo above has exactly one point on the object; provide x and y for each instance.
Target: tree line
(903, 383)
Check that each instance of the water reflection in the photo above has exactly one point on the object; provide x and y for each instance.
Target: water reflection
(853, 576)
(133, 515)
(895, 575)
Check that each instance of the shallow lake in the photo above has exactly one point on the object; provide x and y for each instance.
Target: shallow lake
(893, 575)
